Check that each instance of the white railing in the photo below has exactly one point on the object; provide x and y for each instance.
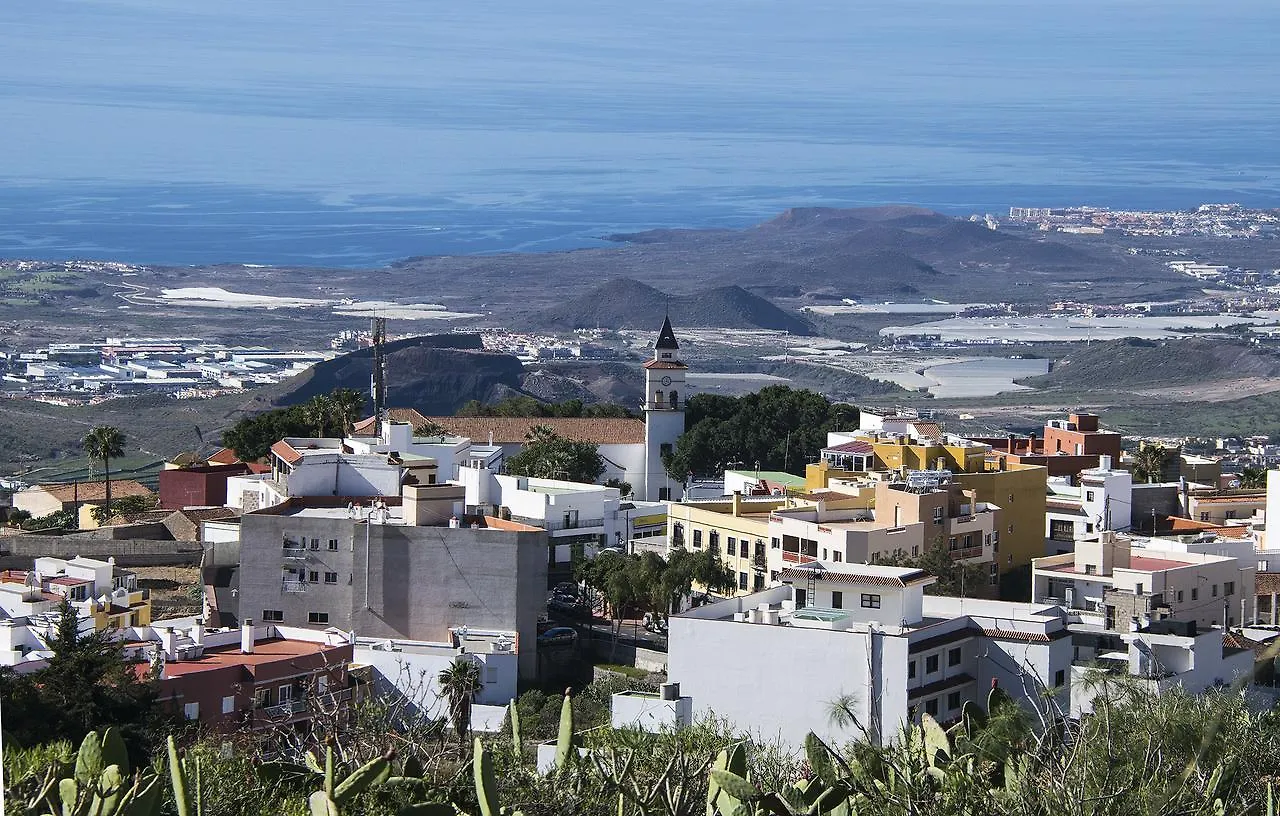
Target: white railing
(293, 586)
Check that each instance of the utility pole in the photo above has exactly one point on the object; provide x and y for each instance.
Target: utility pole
(378, 383)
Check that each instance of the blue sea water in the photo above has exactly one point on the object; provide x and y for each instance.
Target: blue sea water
(328, 132)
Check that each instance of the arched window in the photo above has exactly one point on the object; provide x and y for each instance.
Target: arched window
(675, 400)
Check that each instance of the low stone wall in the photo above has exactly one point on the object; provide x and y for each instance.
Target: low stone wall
(18, 552)
(627, 655)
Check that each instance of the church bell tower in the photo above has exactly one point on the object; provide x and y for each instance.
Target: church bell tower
(665, 392)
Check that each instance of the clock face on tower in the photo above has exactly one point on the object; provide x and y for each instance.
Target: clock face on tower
(666, 381)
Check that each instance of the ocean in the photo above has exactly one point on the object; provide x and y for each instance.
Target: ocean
(354, 134)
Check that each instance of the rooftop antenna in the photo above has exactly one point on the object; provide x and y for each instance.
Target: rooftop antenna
(378, 385)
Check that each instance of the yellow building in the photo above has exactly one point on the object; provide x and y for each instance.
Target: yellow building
(1019, 490)
(737, 528)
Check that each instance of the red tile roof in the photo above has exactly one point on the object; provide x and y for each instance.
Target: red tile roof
(928, 430)
(855, 578)
(286, 452)
(856, 446)
(92, 491)
(1252, 499)
(1267, 583)
(664, 364)
(1140, 563)
(264, 651)
(509, 430)
(226, 456)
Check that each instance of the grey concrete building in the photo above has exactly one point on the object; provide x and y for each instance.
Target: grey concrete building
(409, 569)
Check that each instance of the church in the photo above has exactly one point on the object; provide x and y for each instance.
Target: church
(632, 449)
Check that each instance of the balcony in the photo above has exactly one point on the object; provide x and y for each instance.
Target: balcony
(293, 586)
(294, 553)
(758, 563)
(797, 558)
(285, 710)
(966, 552)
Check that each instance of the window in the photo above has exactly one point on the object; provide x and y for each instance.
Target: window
(490, 675)
(773, 576)
(228, 704)
(331, 577)
(1229, 588)
(317, 617)
(1262, 566)
(774, 544)
(1231, 514)
(1179, 596)
(953, 701)
(1138, 589)
(801, 600)
(333, 543)
(1195, 593)
(732, 547)
(1060, 678)
(824, 553)
(915, 551)
(677, 534)
(313, 576)
(870, 601)
(285, 694)
(1010, 529)
(953, 656)
(697, 539)
(937, 515)
(191, 711)
(664, 449)
(757, 583)
(261, 697)
(315, 543)
(931, 664)
(759, 549)
(837, 556)
(995, 573)
(837, 600)
(1090, 569)
(951, 543)
(713, 541)
(1204, 516)
(272, 615)
(931, 707)
(1088, 495)
(1215, 590)
(911, 670)
(742, 580)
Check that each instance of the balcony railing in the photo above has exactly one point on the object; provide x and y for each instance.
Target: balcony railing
(797, 558)
(758, 563)
(286, 709)
(293, 552)
(293, 586)
(966, 552)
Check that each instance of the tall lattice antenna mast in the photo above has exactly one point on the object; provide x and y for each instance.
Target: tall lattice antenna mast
(378, 384)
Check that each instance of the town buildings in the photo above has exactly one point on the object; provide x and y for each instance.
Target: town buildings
(46, 499)
(410, 567)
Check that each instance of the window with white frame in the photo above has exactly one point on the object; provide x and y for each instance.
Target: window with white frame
(191, 711)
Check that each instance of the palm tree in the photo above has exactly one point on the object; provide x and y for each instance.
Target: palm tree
(316, 412)
(460, 683)
(347, 406)
(1148, 463)
(1253, 478)
(105, 443)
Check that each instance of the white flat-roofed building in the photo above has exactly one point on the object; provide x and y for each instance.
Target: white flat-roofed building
(889, 653)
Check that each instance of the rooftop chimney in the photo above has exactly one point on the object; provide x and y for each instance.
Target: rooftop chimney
(168, 642)
(737, 503)
(197, 632)
(246, 636)
(1104, 462)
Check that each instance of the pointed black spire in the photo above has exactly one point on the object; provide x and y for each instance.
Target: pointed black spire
(666, 336)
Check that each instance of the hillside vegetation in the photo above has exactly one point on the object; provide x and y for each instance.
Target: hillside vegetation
(1123, 363)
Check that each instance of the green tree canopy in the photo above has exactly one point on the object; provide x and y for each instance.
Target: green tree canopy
(252, 437)
(547, 455)
(1148, 463)
(105, 443)
(88, 684)
(779, 427)
(955, 578)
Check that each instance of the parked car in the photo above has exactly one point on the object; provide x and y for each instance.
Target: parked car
(558, 635)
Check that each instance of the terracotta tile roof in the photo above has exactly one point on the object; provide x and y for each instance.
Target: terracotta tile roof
(1140, 563)
(207, 513)
(1267, 583)
(1013, 634)
(264, 651)
(226, 456)
(1253, 499)
(1186, 525)
(1234, 640)
(508, 430)
(856, 446)
(92, 491)
(286, 452)
(665, 364)
(365, 426)
(857, 578)
(928, 430)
